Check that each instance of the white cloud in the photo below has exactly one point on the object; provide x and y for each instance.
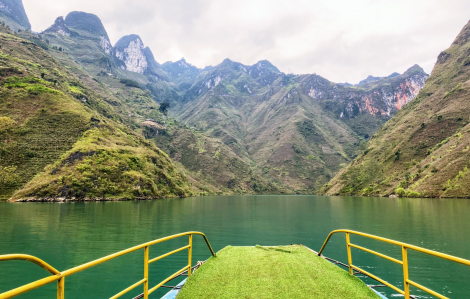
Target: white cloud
(342, 40)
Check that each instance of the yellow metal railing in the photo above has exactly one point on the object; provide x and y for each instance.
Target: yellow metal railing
(60, 276)
(403, 262)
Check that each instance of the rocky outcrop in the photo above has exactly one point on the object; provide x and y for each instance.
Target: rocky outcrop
(376, 96)
(129, 51)
(59, 27)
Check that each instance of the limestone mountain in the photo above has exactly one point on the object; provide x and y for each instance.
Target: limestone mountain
(129, 51)
(60, 138)
(298, 130)
(87, 43)
(239, 128)
(130, 54)
(210, 166)
(13, 14)
(424, 149)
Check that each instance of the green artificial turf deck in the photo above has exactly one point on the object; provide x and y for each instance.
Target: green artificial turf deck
(272, 272)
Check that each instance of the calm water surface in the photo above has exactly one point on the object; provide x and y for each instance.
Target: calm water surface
(69, 234)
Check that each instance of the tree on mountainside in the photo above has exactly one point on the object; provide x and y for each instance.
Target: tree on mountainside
(164, 107)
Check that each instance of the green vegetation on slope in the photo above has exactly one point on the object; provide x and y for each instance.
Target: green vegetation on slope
(108, 163)
(134, 103)
(294, 140)
(423, 151)
(272, 272)
(258, 130)
(212, 163)
(59, 138)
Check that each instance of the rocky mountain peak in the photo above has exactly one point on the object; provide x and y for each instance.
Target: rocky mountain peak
(182, 62)
(59, 27)
(265, 64)
(91, 24)
(370, 78)
(13, 10)
(414, 68)
(129, 51)
(88, 22)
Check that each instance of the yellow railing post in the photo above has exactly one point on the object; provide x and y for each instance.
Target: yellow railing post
(405, 272)
(348, 242)
(190, 253)
(60, 288)
(146, 272)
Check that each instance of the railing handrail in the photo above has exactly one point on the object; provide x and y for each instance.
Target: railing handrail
(59, 276)
(30, 258)
(404, 262)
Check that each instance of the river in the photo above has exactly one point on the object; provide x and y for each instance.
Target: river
(69, 234)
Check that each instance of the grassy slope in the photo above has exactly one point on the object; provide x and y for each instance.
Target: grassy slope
(424, 149)
(212, 166)
(212, 163)
(49, 117)
(291, 139)
(272, 272)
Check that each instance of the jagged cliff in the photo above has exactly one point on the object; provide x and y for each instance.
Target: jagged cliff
(129, 51)
(379, 97)
(424, 149)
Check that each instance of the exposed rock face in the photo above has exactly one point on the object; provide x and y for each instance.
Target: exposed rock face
(106, 44)
(383, 96)
(130, 51)
(14, 10)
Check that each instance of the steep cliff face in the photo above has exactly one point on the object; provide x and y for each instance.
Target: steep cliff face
(13, 13)
(424, 149)
(378, 97)
(129, 51)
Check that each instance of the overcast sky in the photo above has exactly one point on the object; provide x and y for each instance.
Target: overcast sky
(341, 40)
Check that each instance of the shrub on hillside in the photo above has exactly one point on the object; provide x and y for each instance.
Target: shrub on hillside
(130, 83)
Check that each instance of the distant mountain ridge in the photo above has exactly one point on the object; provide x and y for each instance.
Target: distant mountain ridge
(423, 151)
(298, 129)
(372, 78)
(241, 128)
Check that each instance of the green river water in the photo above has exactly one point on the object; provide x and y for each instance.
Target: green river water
(69, 234)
